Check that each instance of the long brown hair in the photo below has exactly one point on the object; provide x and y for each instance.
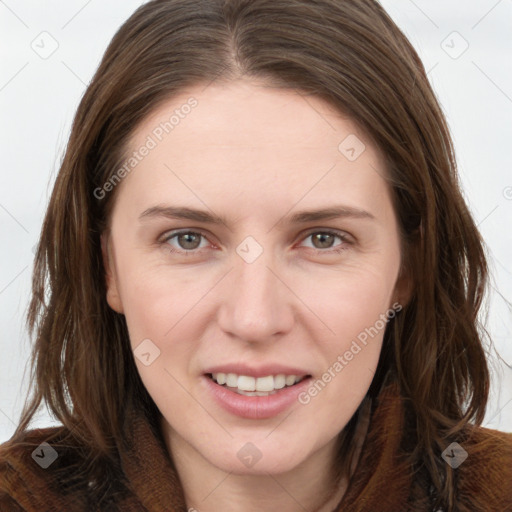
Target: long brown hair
(349, 53)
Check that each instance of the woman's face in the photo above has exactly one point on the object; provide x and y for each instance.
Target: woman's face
(272, 294)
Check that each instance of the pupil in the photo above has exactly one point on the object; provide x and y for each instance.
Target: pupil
(321, 238)
(187, 237)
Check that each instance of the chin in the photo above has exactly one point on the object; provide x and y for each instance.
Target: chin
(243, 457)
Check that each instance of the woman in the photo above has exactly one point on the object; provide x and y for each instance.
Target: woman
(257, 282)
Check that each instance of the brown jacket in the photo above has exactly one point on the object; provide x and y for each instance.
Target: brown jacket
(382, 481)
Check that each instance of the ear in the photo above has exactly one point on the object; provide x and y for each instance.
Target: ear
(113, 297)
(403, 287)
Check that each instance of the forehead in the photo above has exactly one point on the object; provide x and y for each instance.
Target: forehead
(248, 139)
(248, 114)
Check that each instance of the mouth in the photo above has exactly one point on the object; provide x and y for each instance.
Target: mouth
(256, 397)
(256, 386)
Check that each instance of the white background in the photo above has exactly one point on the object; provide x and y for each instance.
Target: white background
(38, 98)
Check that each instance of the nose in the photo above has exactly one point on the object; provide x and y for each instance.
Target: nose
(257, 302)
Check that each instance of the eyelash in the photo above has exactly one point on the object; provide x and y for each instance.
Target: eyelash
(337, 234)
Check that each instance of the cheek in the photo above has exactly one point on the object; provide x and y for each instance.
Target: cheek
(353, 301)
(354, 311)
(163, 307)
(156, 316)
(357, 311)
(153, 298)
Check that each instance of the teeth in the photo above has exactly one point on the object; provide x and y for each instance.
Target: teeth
(231, 380)
(260, 386)
(247, 383)
(290, 380)
(262, 383)
(253, 393)
(279, 381)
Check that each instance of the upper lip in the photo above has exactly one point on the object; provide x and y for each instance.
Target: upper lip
(259, 371)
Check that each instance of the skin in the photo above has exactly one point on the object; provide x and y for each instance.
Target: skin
(255, 155)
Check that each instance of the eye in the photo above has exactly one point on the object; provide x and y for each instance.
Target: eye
(324, 240)
(187, 240)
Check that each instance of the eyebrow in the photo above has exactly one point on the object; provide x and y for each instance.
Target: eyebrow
(302, 217)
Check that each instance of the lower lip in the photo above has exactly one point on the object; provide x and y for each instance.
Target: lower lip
(255, 407)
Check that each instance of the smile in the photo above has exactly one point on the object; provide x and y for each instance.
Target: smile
(255, 386)
(254, 398)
